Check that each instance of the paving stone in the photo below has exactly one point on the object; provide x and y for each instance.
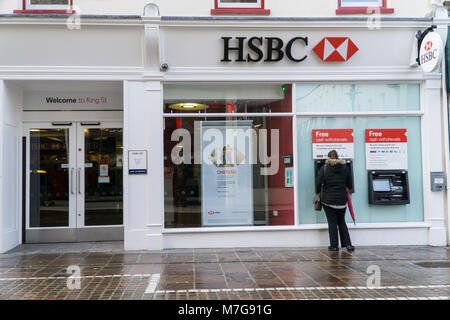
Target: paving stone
(39, 272)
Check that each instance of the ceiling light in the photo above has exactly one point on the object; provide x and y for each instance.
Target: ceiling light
(188, 106)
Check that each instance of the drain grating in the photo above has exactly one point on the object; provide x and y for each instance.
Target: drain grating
(434, 264)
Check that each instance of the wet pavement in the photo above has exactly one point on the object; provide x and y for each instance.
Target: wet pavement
(103, 271)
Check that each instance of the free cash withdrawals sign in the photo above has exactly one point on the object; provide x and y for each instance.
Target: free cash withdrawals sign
(325, 140)
(386, 149)
(227, 174)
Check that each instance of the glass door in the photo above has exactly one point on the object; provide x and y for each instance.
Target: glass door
(52, 176)
(74, 180)
(100, 155)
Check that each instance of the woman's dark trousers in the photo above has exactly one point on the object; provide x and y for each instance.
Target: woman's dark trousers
(336, 219)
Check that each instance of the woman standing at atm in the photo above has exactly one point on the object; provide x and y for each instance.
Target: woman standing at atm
(332, 180)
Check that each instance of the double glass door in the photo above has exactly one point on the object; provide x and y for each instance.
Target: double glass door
(75, 172)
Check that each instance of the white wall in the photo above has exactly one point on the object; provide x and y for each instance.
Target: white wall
(305, 236)
(433, 144)
(10, 166)
(90, 46)
(144, 194)
(279, 8)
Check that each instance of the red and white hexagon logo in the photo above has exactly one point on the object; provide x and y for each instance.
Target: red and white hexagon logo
(428, 46)
(335, 49)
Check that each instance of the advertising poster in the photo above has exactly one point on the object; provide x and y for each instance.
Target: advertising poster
(325, 140)
(386, 149)
(227, 175)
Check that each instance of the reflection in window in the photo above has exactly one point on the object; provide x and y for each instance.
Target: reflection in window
(239, 3)
(232, 98)
(357, 97)
(361, 3)
(50, 2)
(103, 176)
(49, 177)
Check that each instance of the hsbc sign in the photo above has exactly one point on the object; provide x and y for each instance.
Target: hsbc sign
(335, 49)
(431, 52)
(274, 49)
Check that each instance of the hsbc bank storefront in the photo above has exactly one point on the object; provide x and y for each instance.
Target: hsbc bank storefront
(209, 132)
(291, 91)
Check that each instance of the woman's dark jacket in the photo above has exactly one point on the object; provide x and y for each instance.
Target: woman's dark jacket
(336, 177)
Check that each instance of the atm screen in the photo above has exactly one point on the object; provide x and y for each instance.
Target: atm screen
(381, 185)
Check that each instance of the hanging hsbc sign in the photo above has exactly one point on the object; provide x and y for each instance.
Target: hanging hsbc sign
(274, 49)
(431, 52)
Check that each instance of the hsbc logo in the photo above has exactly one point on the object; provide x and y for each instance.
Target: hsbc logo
(431, 52)
(336, 49)
(274, 49)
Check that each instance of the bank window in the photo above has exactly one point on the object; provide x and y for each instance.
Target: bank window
(358, 101)
(46, 6)
(239, 7)
(363, 6)
(228, 155)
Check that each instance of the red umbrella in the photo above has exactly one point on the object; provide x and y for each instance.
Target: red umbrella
(350, 206)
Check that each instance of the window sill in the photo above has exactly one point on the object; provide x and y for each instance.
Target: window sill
(364, 10)
(300, 227)
(69, 11)
(256, 11)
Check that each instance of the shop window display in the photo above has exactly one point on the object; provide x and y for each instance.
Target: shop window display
(223, 166)
(348, 98)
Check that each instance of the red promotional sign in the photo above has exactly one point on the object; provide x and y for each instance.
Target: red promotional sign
(333, 136)
(386, 149)
(325, 140)
(386, 136)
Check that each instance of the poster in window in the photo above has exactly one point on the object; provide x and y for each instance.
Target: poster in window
(227, 176)
(386, 149)
(326, 140)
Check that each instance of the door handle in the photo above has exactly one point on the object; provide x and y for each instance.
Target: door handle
(79, 180)
(71, 181)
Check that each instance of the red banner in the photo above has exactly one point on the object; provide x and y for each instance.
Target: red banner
(386, 136)
(332, 136)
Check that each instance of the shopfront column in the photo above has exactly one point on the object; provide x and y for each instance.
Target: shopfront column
(433, 133)
(10, 213)
(144, 193)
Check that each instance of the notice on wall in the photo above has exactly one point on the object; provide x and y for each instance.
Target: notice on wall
(227, 173)
(137, 161)
(325, 140)
(386, 149)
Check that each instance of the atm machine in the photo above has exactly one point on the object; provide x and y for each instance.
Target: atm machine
(388, 187)
(318, 164)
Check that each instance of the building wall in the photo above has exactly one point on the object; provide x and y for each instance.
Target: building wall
(373, 63)
(284, 8)
(94, 57)
(10, 166)
(93, 49)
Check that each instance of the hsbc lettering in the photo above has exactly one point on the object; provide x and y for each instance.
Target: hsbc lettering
(251, 49)
(430, 55)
